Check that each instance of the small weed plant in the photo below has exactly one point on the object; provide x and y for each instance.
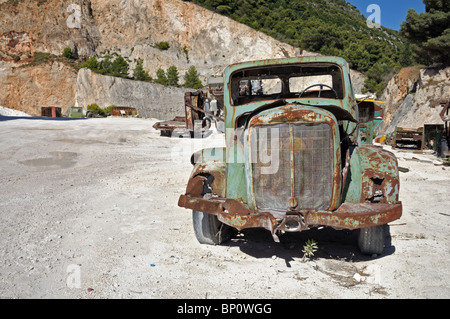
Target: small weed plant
(309, 249)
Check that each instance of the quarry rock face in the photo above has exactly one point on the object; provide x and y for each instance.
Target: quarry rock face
(27, 89)
(150, 100)
(48, 26)
(196, 37)
(414, 97)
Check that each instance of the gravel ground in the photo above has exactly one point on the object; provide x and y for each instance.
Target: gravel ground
(88, 209)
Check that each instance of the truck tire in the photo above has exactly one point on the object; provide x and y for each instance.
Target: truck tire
(371, 240)
(209, 230)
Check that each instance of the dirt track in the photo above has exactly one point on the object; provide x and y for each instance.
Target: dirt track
(88, 209)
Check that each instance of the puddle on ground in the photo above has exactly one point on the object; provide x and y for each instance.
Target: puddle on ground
(57, 159)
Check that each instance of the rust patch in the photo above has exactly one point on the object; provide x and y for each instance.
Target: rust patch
(380, 181)
(348, 216)
(379, 187)
(289, 115)
(354, 216)
(239, 216)
(217, 184)
(195, 186)
(210, 206)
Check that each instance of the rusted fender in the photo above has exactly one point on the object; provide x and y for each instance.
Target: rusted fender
(373, 176)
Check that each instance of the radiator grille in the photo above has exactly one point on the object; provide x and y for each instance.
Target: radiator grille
(292, 160)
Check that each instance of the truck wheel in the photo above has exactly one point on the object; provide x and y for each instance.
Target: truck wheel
(371, 240)
(209, 230)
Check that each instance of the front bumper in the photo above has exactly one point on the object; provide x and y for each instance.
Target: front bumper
(347, 216)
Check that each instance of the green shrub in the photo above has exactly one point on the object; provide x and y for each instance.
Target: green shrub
(377, 78)
(309, 249)
(96, 110)
(91, 63)
(163, 45)
(67, 53)
(107, 110)
(224, 9)
(186, 53)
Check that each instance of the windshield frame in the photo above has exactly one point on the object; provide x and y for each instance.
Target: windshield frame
(285, 72)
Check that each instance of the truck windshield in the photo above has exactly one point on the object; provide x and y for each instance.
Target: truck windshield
(293, 81)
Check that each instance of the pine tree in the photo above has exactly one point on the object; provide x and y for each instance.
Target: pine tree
(191, 79)
(161, 77)
(139, 73)
(172, 76)
(119, 67)
(430, 31)
(105, 65)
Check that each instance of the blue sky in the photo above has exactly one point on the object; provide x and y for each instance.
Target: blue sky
(393, 12)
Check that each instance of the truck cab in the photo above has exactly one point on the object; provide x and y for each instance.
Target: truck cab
(293, 158)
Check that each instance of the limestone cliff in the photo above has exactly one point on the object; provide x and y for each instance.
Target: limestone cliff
(150, 100)
(132, 29)
(28, 89)
(30, 26)
(196, 36)
(413, 97)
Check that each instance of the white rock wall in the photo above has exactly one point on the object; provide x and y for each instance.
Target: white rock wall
(150, 99)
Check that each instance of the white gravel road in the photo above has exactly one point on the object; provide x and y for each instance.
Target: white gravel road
(88, 209)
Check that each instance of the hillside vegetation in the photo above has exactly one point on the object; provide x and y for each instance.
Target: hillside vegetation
(330, 27)
(430, 31)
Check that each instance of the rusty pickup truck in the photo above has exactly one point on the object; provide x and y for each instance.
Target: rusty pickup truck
(293, 158)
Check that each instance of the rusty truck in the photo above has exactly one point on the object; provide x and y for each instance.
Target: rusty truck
(293, 158)
(201, 108)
